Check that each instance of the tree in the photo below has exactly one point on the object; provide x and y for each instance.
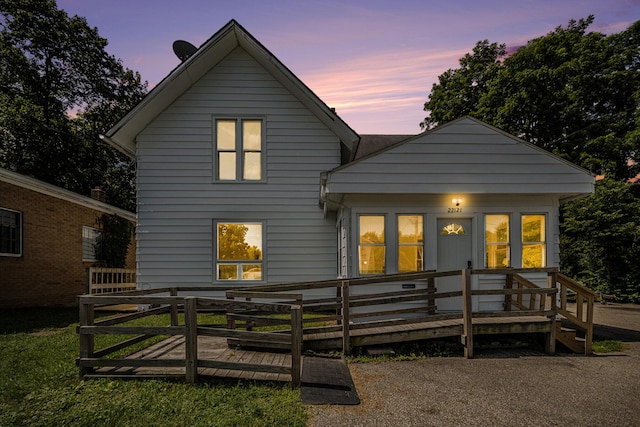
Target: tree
(58, 89)
(458, 92)
(573, 93)
(600, 239)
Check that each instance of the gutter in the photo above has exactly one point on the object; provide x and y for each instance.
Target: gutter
(124, 150)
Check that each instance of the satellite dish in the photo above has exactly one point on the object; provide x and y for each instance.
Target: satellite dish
(183, 49)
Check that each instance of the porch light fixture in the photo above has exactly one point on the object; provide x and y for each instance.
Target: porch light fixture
(456, 202)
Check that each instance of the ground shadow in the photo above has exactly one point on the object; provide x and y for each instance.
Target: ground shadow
(27, 320)
(606, 332)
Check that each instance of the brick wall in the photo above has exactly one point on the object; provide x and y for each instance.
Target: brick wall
(50, 270)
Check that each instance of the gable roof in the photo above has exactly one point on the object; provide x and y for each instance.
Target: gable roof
(463, 156)
(123, 135)
(61, 193)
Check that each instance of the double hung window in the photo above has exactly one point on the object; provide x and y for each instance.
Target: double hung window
(371, 246)
(90, 244)
(410, 243)
(534, 246)
(10, 233)
(238, 149)
(497, 245)
(239, 251)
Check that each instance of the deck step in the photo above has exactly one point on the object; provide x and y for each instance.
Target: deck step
(568, 338)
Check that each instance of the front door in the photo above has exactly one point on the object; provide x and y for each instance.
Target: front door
(454, 253)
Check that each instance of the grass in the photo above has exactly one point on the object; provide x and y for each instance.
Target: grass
(40, 386)
(416, 350)
(608, 346)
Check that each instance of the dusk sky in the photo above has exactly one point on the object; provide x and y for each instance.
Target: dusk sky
(374, 61)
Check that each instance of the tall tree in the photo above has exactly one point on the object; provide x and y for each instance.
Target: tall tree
(458, 91)
(574, 93)
(58, 89)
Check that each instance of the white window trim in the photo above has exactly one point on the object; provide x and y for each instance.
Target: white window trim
(20, 237)
(239, 152)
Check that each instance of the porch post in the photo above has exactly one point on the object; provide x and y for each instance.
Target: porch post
(191, 338)
(346, 347)
(467, 314)
(551, 305)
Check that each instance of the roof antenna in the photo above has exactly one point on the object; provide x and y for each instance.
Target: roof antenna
(183, 49)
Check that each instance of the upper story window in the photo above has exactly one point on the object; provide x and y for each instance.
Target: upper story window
(239, 251)
(10, 233)
(410, 243)
(371, 244)
(534, 248)
(239, 150)
(497, 245)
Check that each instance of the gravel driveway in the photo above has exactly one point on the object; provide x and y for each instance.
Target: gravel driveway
(509, 390)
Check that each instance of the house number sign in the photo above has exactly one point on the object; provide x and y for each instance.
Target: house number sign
(454, 210)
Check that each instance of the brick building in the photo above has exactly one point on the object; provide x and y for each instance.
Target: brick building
(47, 237)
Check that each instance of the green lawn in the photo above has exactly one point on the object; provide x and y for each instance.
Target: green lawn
(40, 386)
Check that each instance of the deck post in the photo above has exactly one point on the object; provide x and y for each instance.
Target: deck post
(346, 347)
(296, 345)
(552, 281)
(174, 307)
(588, 335)
(467, 315)
(87, 341)
(191, 339)
(339, 298)
(431, 301)
(508, 284)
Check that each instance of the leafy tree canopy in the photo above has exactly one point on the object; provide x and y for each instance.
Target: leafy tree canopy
(600, 239)
(574, 93)
(59, 89)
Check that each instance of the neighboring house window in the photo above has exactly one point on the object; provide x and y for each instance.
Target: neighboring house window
(239, 154)
(239, 251)
(371, 248)
(497, 247)
(10, 233)
(90, 237)
(534, 246)
(410, 243)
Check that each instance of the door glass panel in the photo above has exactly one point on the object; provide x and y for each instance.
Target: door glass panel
(453, 228)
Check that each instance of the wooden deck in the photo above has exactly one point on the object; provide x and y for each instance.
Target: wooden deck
(211, 350)
(198, 349)
(423, 330)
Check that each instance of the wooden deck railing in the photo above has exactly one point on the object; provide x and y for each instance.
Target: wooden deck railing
(92, 358)
(353, 307)
(583, 316)
(522, 298)
(102, 280)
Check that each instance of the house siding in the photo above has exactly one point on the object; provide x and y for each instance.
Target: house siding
(466, 156)
(179, 199)
(50, 271)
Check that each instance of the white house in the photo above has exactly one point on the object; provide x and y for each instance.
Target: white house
(246, 177)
